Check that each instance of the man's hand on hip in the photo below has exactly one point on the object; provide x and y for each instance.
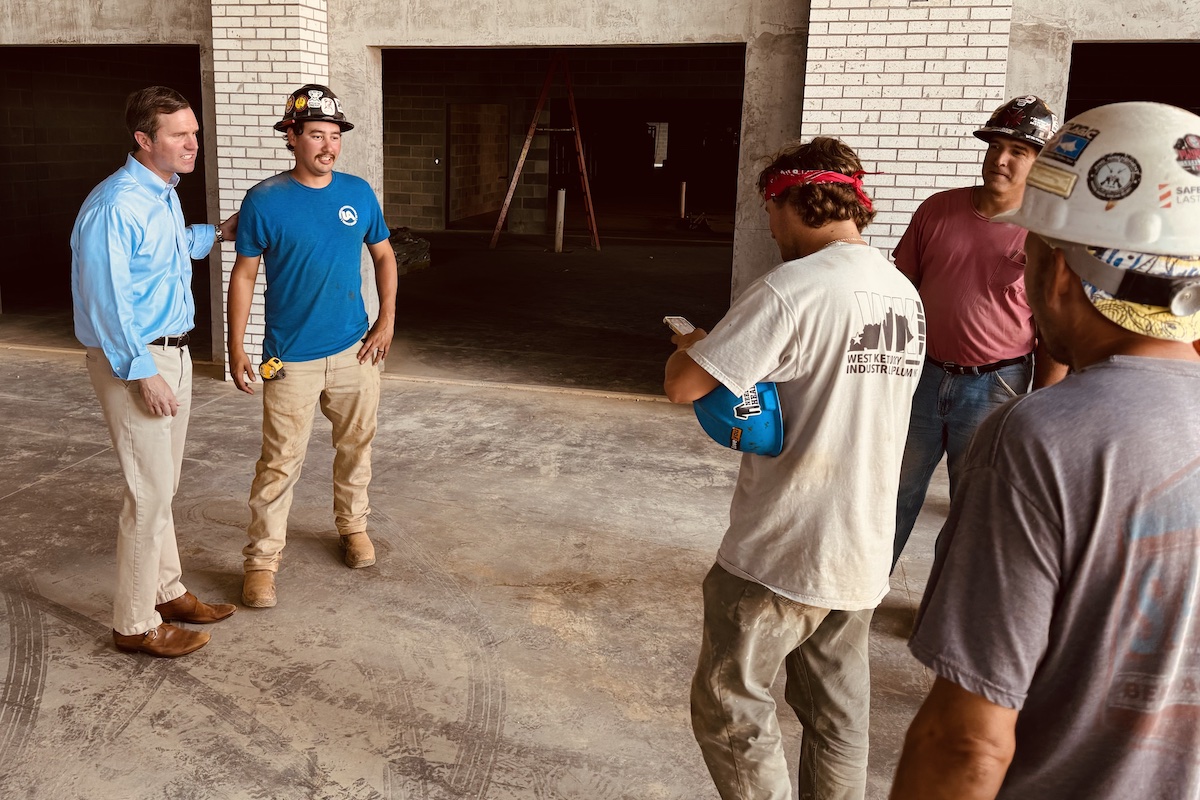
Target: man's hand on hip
(158, 397)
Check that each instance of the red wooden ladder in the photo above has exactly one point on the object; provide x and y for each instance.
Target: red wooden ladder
(558, 60)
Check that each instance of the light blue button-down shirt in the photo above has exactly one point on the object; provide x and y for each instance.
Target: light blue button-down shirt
(131, 267)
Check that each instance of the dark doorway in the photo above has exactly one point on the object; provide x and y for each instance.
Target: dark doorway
(1114, 72)
(64, 132)
(650, 119)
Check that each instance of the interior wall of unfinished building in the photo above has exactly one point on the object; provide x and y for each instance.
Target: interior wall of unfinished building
(904, 81)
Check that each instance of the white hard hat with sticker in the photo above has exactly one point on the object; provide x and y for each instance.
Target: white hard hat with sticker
(1118, 190)
(1121, 175)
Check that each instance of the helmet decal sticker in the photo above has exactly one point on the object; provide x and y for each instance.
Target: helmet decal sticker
(314, 95)
(1114, 176)
(291, 103)
(327, 106)
(1070, 143)
(348, 215)
(1054, 180)
(301, 103)
(1188, 151)
(1187, 194)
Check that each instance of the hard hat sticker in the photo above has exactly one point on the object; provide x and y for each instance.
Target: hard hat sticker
(1070, 143)
(1188, 151)
(301, 103)
(315, 94)
(327, 106)
(1054, 180)
(291, 103)
(750, 406)
(1114, 176)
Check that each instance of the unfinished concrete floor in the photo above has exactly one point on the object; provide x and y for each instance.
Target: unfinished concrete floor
(529, 630)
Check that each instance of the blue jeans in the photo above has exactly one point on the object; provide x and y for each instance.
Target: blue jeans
(946, 410)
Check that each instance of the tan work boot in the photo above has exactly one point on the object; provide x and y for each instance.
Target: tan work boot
(359, 550)
(258, 588)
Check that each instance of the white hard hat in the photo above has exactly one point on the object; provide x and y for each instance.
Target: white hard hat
(1125, 175)
(1118, 189)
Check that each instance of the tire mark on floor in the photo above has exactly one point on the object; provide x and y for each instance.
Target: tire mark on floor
(26, 677)
(273, 774)
(483, 725)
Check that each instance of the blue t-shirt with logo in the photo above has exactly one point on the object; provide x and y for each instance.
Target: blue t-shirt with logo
(311, 242)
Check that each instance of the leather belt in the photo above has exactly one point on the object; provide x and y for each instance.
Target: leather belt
(171, 341)
(959, 369)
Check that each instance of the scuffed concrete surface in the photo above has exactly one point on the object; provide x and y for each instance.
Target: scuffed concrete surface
(529, 630)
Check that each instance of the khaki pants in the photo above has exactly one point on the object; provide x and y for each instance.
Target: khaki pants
(150, 451)
(348, 393)
(749, 632)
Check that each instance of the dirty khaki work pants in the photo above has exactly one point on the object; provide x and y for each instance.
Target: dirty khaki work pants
(348, 393)
(749, 632)
(150, 451)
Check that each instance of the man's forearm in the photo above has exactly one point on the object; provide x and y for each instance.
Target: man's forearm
(241, 295)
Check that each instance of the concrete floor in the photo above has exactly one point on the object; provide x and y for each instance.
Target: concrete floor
(529, 630)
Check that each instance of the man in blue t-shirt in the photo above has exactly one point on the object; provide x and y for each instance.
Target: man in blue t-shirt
(310, 223)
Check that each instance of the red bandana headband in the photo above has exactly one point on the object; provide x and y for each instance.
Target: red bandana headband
(796, 177)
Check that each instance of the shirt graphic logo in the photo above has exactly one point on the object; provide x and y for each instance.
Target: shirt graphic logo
(892, 340)
(1155, 678)
(348, 216)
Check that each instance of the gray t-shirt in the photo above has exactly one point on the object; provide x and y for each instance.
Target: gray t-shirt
(842, 333)
(1067, 582)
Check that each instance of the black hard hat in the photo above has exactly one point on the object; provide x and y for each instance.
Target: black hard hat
(1025, 118)
(313, 102)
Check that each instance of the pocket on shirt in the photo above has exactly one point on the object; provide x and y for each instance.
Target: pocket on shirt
(1008, 270)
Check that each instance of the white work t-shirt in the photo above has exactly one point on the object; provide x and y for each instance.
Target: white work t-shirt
(842, 334)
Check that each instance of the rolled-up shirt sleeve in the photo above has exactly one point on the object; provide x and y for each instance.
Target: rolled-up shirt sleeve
(200, 240)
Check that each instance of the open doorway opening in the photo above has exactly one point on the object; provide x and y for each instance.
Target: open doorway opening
(660, 130)
(1113, 72)
(64, 133)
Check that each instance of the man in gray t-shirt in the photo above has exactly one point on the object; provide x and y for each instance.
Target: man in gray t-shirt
(1061, 614)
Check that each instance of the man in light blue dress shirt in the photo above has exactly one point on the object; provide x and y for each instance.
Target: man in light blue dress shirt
(131, 276)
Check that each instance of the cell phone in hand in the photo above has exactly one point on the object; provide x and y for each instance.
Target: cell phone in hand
(679, 324)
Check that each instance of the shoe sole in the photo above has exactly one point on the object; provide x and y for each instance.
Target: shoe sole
(361, 564)
(259, 603)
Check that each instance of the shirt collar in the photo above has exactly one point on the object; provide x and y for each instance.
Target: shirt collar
(146, 177)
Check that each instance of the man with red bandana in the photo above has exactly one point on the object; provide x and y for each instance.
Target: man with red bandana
(983, 348)
(804, 561)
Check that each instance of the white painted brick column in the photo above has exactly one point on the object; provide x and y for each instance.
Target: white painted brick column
(905, 82)
(263, 50)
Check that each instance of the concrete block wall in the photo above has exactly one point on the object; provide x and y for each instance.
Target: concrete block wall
(905, 82)
(262, 51)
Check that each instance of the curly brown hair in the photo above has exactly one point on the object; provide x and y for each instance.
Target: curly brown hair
(818, 204)
(143, 107)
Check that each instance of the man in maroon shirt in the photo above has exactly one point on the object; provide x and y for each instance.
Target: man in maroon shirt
(981, 335)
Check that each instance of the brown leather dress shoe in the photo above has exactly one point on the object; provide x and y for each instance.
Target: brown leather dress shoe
(187, 608)
(165, 641)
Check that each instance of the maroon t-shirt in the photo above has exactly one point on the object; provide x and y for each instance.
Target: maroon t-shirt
(971, 276)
